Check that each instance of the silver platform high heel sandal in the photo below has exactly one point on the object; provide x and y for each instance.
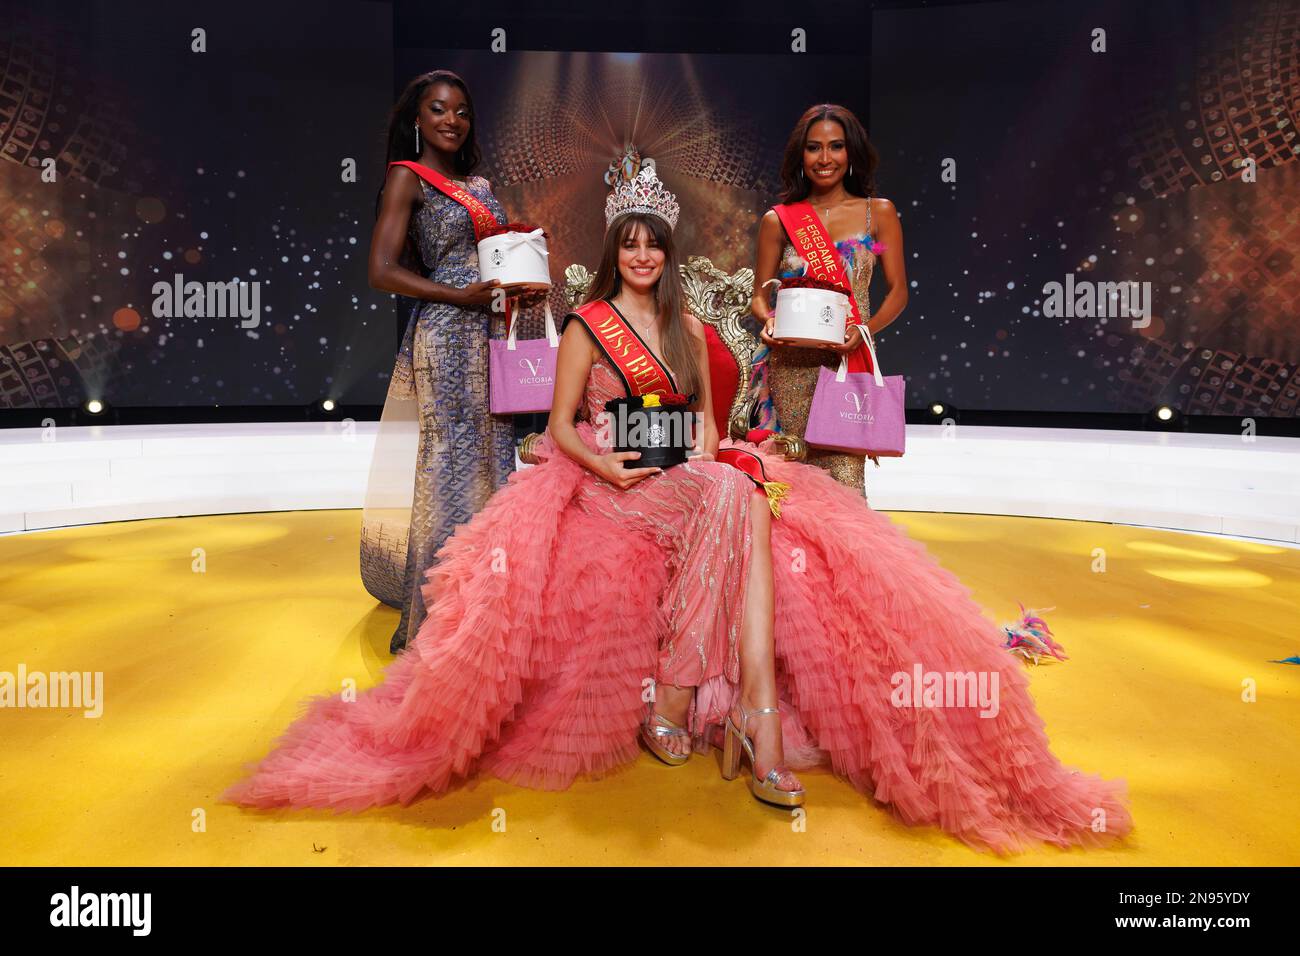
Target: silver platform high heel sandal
(736, 741)
(657, 726)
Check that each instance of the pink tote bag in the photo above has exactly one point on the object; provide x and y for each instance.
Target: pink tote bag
(521, 375)
(861, 413)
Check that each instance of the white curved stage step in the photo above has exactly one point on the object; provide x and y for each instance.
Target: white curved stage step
(1205, 483)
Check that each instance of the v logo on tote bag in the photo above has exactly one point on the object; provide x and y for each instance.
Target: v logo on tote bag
(521, 375)
(858, 412)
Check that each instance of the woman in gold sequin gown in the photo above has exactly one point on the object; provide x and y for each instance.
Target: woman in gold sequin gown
(830, 163)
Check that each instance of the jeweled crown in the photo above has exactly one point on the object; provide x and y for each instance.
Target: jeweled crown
(644, 194)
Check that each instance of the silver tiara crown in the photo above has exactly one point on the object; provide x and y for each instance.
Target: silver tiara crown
(644, 194)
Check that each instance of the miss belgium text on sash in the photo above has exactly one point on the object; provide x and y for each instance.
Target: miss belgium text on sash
(643, 374)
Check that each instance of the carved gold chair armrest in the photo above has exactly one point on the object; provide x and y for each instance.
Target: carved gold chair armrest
(527, 449)
(792, 446)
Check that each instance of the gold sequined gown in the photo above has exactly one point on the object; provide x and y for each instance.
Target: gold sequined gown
(788, 375)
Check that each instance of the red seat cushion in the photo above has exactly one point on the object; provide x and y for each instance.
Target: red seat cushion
(724, 378)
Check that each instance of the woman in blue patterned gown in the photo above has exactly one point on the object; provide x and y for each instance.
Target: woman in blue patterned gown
(439, 454)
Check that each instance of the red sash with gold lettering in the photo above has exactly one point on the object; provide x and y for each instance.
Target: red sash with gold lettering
(813, 243)
(479, 214)
(641, 372)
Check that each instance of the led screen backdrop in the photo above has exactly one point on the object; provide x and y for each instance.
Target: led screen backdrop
(1120, 166)
(715, 127)
(214, 165)
(225, 166)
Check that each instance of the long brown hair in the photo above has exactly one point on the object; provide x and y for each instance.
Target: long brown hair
(679, 351)
(862, 155)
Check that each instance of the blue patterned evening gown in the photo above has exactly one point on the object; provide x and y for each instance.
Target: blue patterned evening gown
(465, 453)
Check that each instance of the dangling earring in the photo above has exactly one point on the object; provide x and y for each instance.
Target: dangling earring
(850, 169)
(417, 137)
(801, 175)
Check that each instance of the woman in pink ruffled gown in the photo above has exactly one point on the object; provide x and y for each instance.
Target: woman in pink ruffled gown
(576, 587)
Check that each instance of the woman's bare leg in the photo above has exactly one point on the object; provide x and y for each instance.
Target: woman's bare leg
(757, 648)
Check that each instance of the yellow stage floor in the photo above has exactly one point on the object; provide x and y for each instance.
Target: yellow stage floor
(203, 670)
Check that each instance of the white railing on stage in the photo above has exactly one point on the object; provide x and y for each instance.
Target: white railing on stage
(1211, 483)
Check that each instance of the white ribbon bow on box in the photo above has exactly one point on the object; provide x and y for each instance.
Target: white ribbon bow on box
(535, 239)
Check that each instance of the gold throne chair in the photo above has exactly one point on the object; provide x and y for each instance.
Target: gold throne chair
(721, 301)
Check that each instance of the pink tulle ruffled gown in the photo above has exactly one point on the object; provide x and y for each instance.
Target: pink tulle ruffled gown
(561, 601)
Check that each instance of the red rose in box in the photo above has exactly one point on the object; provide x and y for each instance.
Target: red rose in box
(810, 312)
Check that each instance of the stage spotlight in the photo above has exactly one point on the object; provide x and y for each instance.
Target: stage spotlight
(1165, 418)
(327, 405)
(937, 409)
(94, 407)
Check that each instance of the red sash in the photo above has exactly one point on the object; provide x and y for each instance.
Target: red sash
(641, 372)
(813, 243)
(479, 214)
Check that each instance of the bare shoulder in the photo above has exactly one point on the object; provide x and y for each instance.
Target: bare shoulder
(401, 174)
(403, 182)
(572, 327)
(575, 331)
(882, 208)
